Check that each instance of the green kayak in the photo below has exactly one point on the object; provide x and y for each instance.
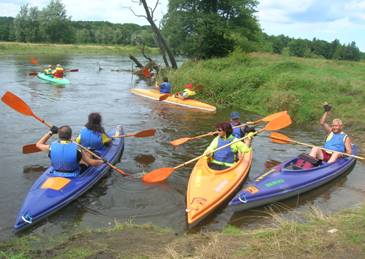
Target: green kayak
(59, 81)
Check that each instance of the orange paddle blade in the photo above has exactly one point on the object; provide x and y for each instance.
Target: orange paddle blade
(279, 123)
(16, 103)
(34, 61)
(145, 133)
(163, 97)
(179, 141)
(158, 175)
(280, 138)
(273, 116)
(30, 148)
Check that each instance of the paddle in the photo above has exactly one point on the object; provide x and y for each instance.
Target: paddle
(67, 70)
(141, 134)
(20, 106)
(161, 174)
(268, 118)
(30, 148)
(164, 97)
(283, 139)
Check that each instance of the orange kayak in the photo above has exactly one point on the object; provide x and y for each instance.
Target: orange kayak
(189, 103)
(208, 188)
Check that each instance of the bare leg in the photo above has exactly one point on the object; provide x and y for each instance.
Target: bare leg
(334, 157)
(316, 153)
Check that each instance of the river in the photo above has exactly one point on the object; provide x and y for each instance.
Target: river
(120, 199)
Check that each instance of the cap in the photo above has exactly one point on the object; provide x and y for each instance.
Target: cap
(235, 115)
(189, 86)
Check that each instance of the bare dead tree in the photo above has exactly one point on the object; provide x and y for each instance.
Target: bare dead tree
(164, 48)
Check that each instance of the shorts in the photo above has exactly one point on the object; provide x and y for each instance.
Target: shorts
(326, 156)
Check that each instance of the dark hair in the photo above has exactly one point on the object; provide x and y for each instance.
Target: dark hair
(226, 127)
(64, 132)
(94, 122)
(165, 79)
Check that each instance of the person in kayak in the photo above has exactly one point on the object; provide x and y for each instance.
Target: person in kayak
(226, 157)
(93, 135)
(66, 158)
(187, 93)
(165, 86)
(239, 132)
(48, 70)
(59, 71)
(336, 139)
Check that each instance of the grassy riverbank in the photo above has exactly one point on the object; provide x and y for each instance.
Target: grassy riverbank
(34, 48)
(338, 236)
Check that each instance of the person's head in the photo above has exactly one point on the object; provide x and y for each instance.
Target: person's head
(58, 65)
(224, 129)
(94, 122)
(235, 116)
(64, 132)
(49, 66)
(336, 126)
(189, 86)
(165, 79)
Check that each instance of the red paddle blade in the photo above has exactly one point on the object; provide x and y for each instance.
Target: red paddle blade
(158, 175)
(163, 97)
(279, 123)
(145, 133)
(16, 103)
(31, 148)
(179, 141)
(280, 138)
(33, 73)
(34, 61)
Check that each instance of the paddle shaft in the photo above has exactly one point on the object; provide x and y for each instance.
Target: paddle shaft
(227, 145)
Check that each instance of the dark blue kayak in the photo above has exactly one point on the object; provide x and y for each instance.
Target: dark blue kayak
(50, 193)
(286, 180)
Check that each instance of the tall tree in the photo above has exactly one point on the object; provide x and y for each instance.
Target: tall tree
(204, 29)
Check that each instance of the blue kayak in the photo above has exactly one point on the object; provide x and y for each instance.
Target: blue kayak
(55, 80)
(50, 193)
(287, 180)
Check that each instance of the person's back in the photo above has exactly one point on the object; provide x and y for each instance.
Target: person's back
(165, 86)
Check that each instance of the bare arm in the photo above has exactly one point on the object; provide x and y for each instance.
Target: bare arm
(348, 146)
(41, 144)
(323, 122)
(89, 160)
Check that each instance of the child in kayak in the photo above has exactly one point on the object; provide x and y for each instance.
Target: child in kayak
(58, 72)
(165, 86)
(186, 93)
(239, 132)
(48, 71)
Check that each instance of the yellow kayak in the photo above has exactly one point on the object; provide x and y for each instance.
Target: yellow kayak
(189, 103)
(208, 188)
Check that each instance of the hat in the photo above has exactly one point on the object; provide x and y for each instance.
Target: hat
(235, 115)
(189, 86)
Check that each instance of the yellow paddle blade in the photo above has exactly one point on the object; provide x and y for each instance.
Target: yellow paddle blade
(158, 175)
(279, 123)
(179, 141)
(280, 138)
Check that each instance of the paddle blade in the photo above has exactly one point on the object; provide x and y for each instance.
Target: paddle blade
(145, 133)
(279, 123)
(273, 116)
(34, 61)
(16, 103)
(30, 148)
(163, 97)
(179, 141)
(33, 73)
(280, 138)
(73, 70)
(158, 175)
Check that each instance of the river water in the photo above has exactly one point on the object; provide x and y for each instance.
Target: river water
(115, 198)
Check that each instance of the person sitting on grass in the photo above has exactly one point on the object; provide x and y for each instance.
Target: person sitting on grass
(226, 157)
(336, 139)
(187, 93)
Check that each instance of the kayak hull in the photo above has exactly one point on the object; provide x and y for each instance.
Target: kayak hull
(58, 81)
(188, 103)
(50, 193)
(208, 188)
(281, 183)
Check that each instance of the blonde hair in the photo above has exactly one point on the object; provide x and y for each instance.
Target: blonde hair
(337, 121)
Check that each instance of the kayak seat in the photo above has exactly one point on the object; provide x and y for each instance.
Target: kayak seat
(305, 161)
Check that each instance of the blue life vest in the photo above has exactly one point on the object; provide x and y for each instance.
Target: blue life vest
(91, 139)
(165, 88)
(64, 157)
(336, 141)
(236, 131)
(224, 155)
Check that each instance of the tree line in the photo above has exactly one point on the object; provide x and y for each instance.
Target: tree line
(196, 29)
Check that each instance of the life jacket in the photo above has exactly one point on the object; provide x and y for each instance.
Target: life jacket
(64, 159)
(224, 156)
(189, 92)
(305, 161)
(336, 141)
(236, 131)
(48, 71)
(91, 139)
(165, 88)
(58, 72)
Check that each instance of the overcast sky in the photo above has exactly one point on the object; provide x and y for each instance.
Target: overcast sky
(323, 19)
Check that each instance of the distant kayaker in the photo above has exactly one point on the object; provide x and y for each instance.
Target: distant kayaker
(226, 157)
(58, 72)
(336, 139)
(165, 86)
(239, 132)
(66, 159)
(186, 93)
(48, 70)
(93, 135)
